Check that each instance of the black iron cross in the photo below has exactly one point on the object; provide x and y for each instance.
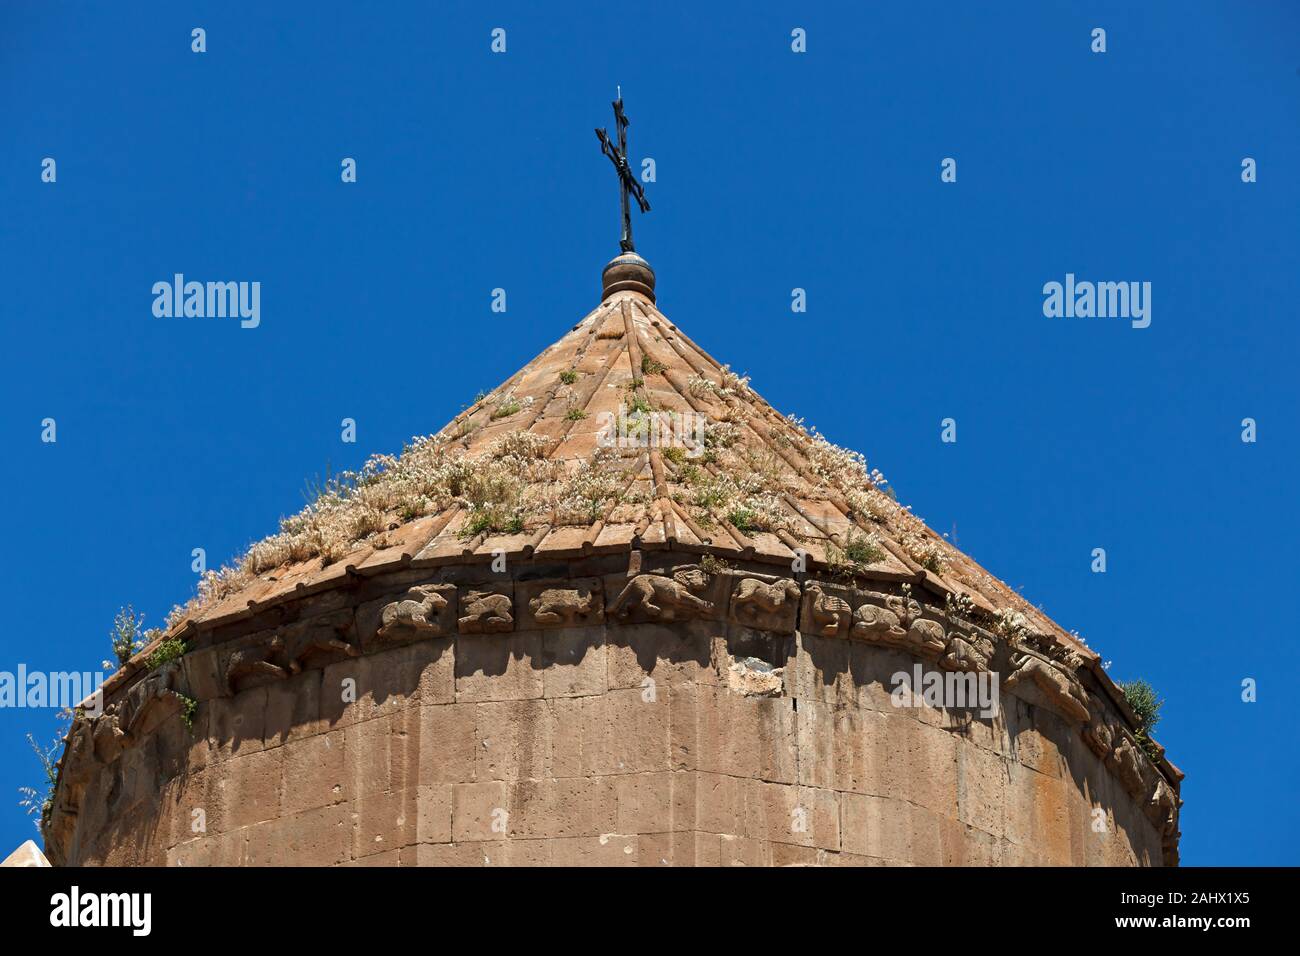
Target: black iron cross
(627, 183)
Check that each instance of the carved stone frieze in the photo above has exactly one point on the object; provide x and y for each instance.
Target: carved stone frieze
(420, 612)
(574, 603)
(766, 607)
(657, 597)
(967, 651)
(826, 613)
(486, 611)
(1039, 668)
(1054, 677)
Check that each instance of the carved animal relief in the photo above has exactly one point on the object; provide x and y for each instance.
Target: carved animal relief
(486, 612)
(966, 652)
(255, 665)
(418, 610)
(878, 625)
(766, 607)
(653, 597)
(830, 614)
(566, 606)
(318, 642)
(156, 692)
(1064, 693)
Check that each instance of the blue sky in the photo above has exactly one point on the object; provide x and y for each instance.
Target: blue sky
(775, 170)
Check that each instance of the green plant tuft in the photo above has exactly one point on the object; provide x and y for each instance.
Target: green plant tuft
(1146, 704)
(860, 550)
(492, 518)
(743, 519)
(172, 649)
(506, 409)
(189, 709)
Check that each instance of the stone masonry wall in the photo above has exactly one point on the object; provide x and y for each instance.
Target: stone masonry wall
(569, 723)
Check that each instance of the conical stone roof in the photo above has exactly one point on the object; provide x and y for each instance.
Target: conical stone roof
(557, 461)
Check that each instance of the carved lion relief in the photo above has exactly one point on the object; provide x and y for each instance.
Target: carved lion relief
(254, 665)
(269, 657)
(653, 597)
(318, 641)
(766, 607)
(877, 624)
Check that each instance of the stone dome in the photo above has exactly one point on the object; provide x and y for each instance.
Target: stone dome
(619, 610)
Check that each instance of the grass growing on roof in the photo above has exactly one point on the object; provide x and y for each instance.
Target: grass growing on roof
(507, 408)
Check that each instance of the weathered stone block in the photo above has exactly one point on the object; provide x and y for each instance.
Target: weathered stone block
(203, 674)
(507, 667)
(433, 813)
(649, 656)
(579, 602)
(316, 773)
(767, 725)
(574, 662)
(514, 740)
(236, 726)
(891, 829)
(249, 789)
(448, 743)
(479, 811)
(292, 709)
(648, 802)
(318, 837)
(777, 813)
(982, 789)
(607, 849)
(383, 822)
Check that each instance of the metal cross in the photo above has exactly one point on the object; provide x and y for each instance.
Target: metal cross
(627, 183)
